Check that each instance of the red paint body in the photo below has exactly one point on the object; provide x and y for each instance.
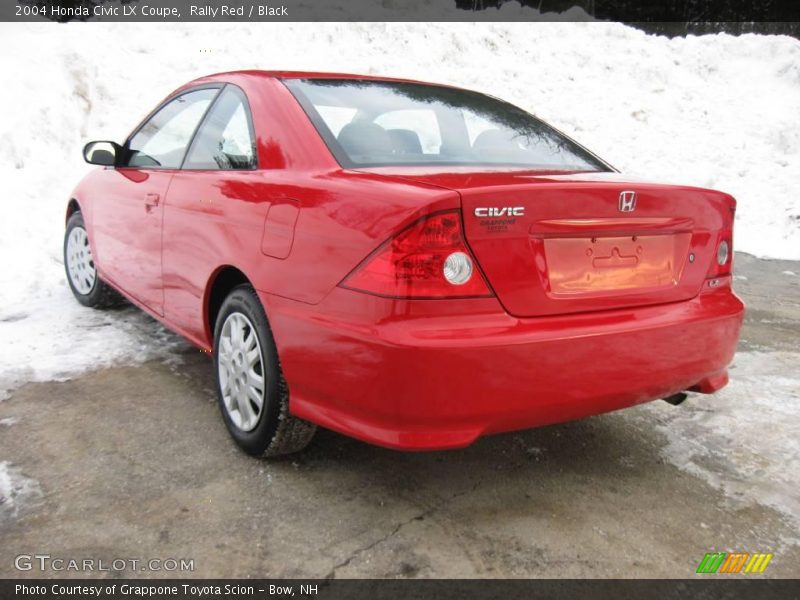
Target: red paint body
(564, 334)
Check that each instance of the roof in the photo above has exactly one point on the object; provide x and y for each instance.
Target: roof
(307, 75)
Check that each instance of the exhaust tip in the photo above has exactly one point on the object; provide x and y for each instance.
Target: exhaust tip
(676, 399)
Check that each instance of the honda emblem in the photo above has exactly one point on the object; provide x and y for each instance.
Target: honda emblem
(627, 201)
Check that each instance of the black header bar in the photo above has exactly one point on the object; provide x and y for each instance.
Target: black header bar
(666, 11)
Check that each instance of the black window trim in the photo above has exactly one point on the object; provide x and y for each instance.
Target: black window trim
(250, 127)
(321, 127)
(126, 146)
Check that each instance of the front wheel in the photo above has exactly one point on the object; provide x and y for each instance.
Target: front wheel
(252, 393)
(82, 277)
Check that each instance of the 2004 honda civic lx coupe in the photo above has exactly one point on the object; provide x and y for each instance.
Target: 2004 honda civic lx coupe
(410, 264)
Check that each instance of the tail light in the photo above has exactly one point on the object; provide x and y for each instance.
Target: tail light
(429, 259)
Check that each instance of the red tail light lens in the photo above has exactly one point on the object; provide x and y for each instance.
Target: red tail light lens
(430, 259)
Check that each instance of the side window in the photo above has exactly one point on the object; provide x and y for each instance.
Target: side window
(162, 141)
(225, 140)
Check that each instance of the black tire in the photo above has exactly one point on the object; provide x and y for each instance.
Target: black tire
(101, 295)
(276, 431)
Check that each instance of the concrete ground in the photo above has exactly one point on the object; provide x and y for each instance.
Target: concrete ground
(134, 462)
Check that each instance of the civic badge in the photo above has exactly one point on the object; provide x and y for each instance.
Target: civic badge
(627, 201)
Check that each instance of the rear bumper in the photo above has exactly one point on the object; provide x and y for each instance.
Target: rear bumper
(435, 374)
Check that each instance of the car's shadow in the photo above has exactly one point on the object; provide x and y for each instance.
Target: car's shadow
(602, 446)
(528, 473)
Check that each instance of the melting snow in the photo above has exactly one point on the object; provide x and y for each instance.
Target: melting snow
(16, 490)
(744, 440)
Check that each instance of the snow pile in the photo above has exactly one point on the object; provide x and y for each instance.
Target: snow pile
(717, 110)
(721, 438)
(714, 111)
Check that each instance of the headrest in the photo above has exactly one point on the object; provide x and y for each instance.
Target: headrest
(405, 141)
(363, 138)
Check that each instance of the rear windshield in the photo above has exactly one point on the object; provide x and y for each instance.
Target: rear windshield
(380, 123)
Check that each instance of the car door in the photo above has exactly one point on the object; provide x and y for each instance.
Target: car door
(128, 222)
(215, 210)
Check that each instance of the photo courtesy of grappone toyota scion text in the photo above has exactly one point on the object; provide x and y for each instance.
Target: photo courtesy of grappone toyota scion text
(409, 264)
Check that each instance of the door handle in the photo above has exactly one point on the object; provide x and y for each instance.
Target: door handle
(151, 201)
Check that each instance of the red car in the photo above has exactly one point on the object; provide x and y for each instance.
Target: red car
(410, 264)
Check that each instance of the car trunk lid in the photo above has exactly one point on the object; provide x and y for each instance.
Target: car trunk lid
(565, 243)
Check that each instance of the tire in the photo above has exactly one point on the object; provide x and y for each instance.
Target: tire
(244, 349)
(82, 277)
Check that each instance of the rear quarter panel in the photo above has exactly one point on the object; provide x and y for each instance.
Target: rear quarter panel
(214, 219)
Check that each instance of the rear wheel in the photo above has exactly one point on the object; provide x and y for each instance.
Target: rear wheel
(86, 285)
(252, 393)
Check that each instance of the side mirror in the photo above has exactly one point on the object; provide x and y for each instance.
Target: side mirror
(101, 153)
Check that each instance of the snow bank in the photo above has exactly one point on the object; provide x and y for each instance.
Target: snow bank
(717, 110)
(714, 111)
